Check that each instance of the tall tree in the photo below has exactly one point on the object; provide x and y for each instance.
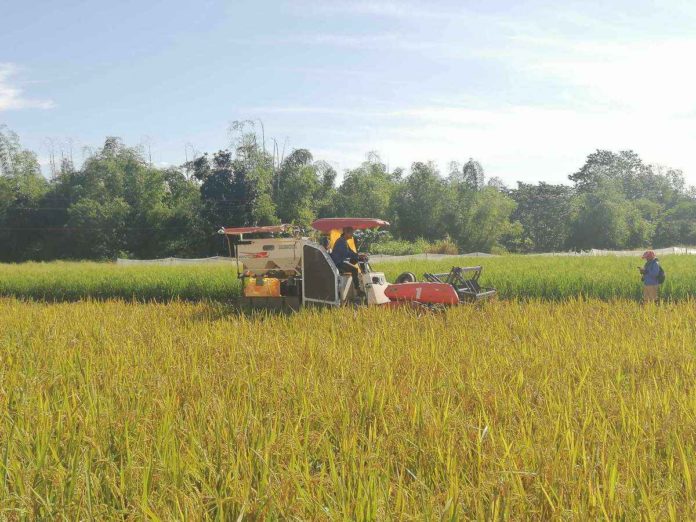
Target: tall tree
(419, 202)
(473, 174)
(367, 190)
(600, 219)
(21, 189)
(603, 167)
(677, 226)
(298, 187)
(544, 211)
(480, 219)
(325, 201)
(184, 232)
(633, 178)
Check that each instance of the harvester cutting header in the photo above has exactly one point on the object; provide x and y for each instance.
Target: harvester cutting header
(281, 268)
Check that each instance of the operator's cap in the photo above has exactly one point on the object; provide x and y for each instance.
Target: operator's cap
(648, 254)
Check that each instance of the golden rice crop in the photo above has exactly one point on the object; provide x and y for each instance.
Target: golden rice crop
(573, 410)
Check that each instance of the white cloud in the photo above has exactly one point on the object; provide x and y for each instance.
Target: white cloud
(563, 82)
(12, 97)
(636, 94)
(652, 76)
(533, 143)
(526, 143)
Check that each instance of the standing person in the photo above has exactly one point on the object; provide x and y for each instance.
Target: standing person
(650, 274)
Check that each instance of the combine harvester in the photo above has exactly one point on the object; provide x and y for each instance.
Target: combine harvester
(281, 269)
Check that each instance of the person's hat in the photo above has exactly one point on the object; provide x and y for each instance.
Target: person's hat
(648, 254)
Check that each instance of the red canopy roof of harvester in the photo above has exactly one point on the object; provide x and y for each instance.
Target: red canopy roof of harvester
(329, 224)
(254, 230)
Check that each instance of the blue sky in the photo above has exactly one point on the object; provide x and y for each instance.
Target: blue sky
(528, 88)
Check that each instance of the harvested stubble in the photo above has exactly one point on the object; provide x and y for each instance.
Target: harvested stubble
(573, 410)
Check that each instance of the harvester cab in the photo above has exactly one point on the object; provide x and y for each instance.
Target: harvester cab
(372, 283)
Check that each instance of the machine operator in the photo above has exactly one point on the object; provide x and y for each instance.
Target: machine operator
(344, 257)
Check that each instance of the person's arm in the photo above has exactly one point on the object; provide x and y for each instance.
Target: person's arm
(653, 270)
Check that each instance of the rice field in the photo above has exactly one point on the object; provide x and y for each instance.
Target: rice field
(521, 409)
(515, 277)
(139, 393)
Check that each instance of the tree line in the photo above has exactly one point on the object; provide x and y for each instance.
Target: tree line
(117, 204)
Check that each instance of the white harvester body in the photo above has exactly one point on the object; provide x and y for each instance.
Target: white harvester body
(282, 255)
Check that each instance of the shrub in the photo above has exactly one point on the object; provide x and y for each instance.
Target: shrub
(444, 246)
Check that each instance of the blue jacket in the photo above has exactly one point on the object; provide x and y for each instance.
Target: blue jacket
(341, 252)
(650, 271)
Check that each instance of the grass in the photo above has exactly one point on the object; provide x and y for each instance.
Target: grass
(581, 409)
(515, 277)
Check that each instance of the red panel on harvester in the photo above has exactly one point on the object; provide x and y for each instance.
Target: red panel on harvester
(435, 293)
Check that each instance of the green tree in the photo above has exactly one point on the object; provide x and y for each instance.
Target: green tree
(481, 219)
(235, 191)
(626, 171)
(366, 191)
(114, 205)
(22, 186)
(677, 226)
(544, 211)
(255, 173)
(603, 167)
(600, 219)
(473, 174)
(622, 200)
(298, 188)
(99, 227)
(184, 232)
(117, 204)
(325, 201)
(223, 191)
(419, 202)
